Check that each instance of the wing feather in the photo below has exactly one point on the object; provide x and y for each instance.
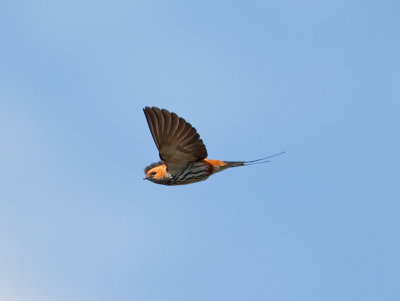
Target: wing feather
(177, 140)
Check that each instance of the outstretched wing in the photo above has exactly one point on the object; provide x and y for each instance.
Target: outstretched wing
(177, 140)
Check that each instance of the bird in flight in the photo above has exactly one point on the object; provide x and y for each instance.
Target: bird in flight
(183, 153)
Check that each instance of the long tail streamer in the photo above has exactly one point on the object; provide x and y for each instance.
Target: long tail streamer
(252, 162)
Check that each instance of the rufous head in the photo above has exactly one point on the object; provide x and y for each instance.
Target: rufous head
(157, 174)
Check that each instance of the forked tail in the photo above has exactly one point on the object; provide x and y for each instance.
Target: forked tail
(252, 162)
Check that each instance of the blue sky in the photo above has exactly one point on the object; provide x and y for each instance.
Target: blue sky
(318, 79)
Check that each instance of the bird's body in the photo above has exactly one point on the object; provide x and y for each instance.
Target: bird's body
(193, 172)
(183, 153)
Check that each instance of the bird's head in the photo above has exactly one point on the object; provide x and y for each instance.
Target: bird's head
(157, 174)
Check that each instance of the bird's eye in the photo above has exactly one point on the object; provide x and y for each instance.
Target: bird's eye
(153, 173)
